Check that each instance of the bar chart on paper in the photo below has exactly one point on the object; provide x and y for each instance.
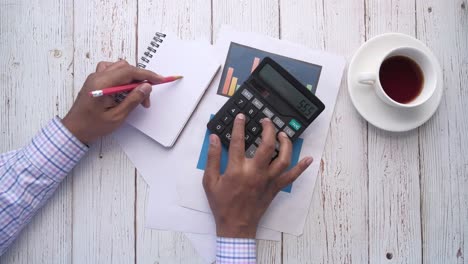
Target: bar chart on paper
(242, 60)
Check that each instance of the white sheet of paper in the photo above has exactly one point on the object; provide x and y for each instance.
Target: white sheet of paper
(173, 103)
(288, 211)
(162, 209)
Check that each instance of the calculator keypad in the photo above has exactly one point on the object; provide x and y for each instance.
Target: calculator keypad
(247, 94)
(268, 113)
(278, 122)
(255, 109)
(227, 119)
(227, 135)
(259, 117)
(219, 127)
(251, 111)
(254, 128)
(250, 152)
(289, 131)
(241, 102)
(248, 138)
(257, 103)
(233, 110)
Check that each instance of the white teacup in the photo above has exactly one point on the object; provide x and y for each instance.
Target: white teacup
(429, 77)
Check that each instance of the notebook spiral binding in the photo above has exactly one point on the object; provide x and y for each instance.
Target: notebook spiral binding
(152, 47)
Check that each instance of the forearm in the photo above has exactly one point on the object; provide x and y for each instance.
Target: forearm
(236, 250)
(29, 176)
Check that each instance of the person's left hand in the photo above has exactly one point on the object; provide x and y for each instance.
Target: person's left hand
(90, 118)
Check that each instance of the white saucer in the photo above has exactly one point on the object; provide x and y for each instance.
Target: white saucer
(364, 98)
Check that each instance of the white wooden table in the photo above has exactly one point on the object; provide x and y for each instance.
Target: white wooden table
(380, 197)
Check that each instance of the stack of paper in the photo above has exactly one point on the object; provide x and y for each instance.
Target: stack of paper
(177, 200)
(162, 209)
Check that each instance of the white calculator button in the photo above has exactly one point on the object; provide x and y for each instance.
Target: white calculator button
(257, 103)
(278, 122)
(289, 131)
(268, 113)
(275, 154)
(258, 141)
(247, 94)
(250, 152)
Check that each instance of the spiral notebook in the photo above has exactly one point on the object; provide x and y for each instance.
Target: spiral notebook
(172, 104)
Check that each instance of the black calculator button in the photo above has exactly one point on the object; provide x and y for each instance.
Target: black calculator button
(248, 138)
(278, 122)
(227, 135)
(250, 152)
(241, 102)
(259, 117)
(289, 131)
(233, 110)
(247, 94)
(227, 119)
(268, 113)
(253, 128)
(219, 128)
(251, 111)
(257, 103)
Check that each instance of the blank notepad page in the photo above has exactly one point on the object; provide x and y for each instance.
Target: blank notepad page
(172, 104)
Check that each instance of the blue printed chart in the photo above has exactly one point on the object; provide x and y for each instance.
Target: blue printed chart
(242, 60)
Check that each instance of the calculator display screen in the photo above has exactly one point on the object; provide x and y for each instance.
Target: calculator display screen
(286, 90)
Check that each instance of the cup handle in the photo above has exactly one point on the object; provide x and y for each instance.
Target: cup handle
(367, 78)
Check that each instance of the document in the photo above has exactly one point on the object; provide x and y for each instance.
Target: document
(288, 211)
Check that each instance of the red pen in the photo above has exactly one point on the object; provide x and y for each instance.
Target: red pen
(128, 87)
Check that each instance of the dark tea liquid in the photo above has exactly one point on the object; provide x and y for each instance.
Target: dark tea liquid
(401, 78)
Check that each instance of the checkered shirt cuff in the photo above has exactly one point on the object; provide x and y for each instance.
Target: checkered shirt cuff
(55, 150)
(236, 250)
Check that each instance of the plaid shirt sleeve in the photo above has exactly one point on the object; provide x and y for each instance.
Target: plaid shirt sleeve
(236, 250)
(29, 176)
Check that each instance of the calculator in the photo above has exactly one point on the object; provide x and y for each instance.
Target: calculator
(270, 91)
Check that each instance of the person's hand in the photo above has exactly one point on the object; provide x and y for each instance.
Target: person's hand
(90, 118)
(240, 197)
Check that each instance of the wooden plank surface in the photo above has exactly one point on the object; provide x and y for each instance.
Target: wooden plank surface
(394, 194)
(36, 84)
(380, 197)
(189, 20)
(443, 26)
(336, 230)
(104, 183)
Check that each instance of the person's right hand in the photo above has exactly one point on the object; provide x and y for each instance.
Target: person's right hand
(239, 198)
(90, 118)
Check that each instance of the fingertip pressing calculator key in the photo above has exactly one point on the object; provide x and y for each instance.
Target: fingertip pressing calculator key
(272, 92)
